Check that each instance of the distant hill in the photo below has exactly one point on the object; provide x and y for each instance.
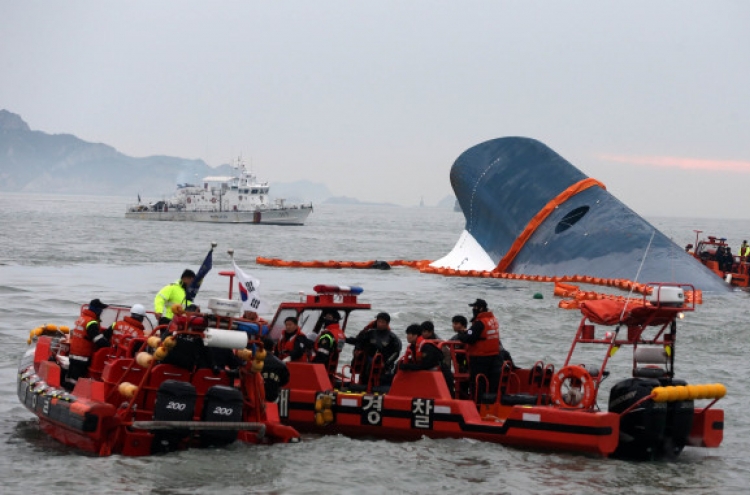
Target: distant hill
(34, 161)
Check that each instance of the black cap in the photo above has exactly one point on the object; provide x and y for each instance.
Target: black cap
(479, 303)
(188, 273)
(96, 305)
(414, 329)
(384, 316)
(332, 313)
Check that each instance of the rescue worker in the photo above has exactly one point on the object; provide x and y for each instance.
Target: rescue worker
(428, 333)
(171, 294)
(422, 354)
(744, 249)
(377, 339)
(275, 373)
(189, 351)
(85, 338)
(293, 345)
(482, 341)
(131, 327)
(330, 341)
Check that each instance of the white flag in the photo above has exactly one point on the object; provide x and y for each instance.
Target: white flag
(249, 294)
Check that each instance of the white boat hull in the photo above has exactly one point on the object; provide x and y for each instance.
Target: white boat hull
(287, 216)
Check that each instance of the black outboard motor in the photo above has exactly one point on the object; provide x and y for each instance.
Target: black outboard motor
(642, 430)
(223, 404)
(679, 422)
(175, 401)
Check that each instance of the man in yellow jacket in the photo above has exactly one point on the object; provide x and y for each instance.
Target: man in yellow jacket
(171, 294)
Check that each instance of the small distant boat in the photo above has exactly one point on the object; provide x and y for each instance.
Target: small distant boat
(716, 255)
(223, 199)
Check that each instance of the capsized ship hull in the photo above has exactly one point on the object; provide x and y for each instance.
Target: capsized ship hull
(528, 210)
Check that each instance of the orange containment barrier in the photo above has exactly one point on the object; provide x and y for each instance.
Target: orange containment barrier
(571, 293)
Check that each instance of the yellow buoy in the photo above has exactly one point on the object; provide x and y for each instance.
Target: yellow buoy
(144, 359)
(153, 342)
(245, 354)
(51, 327)
(319, 421)
(721, 390)
(170, 342)
(681, 392)
(327, 401)
(319, 404)
(64, 328)
(127, 390)
(160, 353)
(327, 416)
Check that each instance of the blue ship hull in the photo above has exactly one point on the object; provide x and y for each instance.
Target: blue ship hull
(502, 184)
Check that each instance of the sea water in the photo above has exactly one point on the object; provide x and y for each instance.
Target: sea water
(57, 252)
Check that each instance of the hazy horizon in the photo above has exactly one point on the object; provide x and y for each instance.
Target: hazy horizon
(377, 100)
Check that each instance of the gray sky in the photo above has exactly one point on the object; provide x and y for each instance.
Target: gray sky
(377, 99)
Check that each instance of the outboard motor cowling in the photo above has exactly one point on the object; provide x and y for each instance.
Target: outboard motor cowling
(679, 422)
(175, 401)
(223, 404)
(641, 429)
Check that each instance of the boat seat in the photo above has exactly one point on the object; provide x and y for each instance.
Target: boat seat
(99, 360)
(122, 370)
(650, 362)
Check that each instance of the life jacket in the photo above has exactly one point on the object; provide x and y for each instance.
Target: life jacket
(489, 342)
(80, 345)
(334, 330)
(414, 354)
(285, 346)
(125, 330)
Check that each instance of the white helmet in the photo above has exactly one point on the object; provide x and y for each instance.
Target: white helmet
(138, 309)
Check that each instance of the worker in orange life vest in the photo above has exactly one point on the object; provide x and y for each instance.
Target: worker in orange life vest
(482, 341)
(130, 327)
(423, 354)
(330, 341)
(85, 338)
(293, 345)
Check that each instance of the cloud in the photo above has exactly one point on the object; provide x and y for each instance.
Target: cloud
(680, 162)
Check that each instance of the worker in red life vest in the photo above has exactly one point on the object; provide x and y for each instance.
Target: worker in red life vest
(482, 341)
(330, 341)
(131, 327)
(422, 354)
(293, 345)
(85, 338)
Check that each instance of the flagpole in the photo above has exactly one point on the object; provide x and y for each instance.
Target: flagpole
(192, 290)
(230, 252)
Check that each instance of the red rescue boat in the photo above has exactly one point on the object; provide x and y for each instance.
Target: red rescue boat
(716, 255)
(133, 404)
(650, 414)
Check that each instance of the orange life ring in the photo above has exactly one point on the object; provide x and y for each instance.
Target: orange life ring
(580, 390)
(213, 200)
